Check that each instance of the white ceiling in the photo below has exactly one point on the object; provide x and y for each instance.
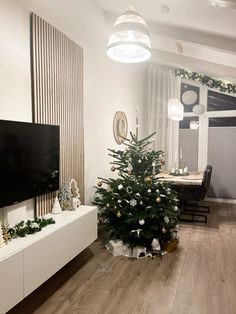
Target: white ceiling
(205, 31)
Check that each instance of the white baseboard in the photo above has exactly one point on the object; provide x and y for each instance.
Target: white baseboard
(221, 200)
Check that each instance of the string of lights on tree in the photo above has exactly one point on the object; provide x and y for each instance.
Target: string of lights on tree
(210, 82)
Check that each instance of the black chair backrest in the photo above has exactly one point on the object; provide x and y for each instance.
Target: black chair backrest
(209, 167)
(206, 181)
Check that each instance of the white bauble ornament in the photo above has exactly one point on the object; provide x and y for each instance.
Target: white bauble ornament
(139, 161)
(120, 187)
(141, 202)
(149, 190)
(166, 219)
(141, 222)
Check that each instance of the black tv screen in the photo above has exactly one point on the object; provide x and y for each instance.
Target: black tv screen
(29, 160)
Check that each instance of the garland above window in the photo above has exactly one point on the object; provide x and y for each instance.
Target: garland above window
(210, 82)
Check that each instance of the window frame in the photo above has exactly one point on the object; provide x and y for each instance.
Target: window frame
(204, 120)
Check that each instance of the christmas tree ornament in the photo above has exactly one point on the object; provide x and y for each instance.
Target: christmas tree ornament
(157, 191)
(113, 168)
(139, 161)
(130, 167)
(164, 230)
(176, 208)
(137, 194)
(166, 219)
(107, 205)
(141, 202)
(141, 222)
(118, 214)
(119, 201)
(136, 231)
(129, 189)
(149, 191)
(133, 202)
(109, 189)
(99, 184)
(147, 179)
(120, 187)
(158, 199)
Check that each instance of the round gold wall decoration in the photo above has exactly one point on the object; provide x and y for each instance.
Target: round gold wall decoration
(120, 127)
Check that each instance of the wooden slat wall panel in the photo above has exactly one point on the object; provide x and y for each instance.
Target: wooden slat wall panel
(57, 97)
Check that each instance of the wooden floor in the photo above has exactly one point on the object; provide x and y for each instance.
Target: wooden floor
(199, 278)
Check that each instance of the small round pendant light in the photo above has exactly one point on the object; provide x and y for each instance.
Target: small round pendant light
(129, 41)
(175, 109)
(194, 125)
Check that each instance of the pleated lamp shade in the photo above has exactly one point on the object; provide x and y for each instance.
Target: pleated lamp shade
(129, 41)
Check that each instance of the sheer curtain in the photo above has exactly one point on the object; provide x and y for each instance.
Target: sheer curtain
(163, 85)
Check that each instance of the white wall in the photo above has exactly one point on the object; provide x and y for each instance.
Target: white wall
(108, 86)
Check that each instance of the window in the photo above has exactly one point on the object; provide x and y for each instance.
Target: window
(189, 96)
(222, 122)
(218, 102)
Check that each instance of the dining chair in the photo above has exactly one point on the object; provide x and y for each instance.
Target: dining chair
(191, 195)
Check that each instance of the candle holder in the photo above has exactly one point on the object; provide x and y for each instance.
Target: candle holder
(182, 170)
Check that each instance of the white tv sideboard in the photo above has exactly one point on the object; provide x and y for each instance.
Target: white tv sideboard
(26, 263)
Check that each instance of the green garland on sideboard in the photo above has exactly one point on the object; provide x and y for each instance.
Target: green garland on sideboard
(210, 82)
(29, 227)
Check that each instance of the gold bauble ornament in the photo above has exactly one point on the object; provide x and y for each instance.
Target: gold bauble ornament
(164, 230)
(113, 168)
(158, 199)
(147, 179)
(118, 214)
(99, 184)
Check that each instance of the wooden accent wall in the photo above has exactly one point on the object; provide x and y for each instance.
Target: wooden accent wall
(57, 98)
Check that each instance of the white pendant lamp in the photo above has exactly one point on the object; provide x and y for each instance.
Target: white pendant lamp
(199, 109)
(129, 41)
(175, 109)
(194, 125)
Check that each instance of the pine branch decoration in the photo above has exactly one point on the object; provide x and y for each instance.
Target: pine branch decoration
(210, 82)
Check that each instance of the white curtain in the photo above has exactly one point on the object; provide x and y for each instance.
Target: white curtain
(163, 85)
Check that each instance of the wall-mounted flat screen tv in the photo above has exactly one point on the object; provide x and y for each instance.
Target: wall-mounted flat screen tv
(29, 160)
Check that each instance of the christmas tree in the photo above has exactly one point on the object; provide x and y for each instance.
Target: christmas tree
(137, 207)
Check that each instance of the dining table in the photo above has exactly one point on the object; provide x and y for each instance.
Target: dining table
(192, 178)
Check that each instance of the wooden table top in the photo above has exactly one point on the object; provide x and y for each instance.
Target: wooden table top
(194, 178)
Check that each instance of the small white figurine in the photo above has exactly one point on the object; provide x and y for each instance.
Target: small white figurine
(156, 245)
(56, 208)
